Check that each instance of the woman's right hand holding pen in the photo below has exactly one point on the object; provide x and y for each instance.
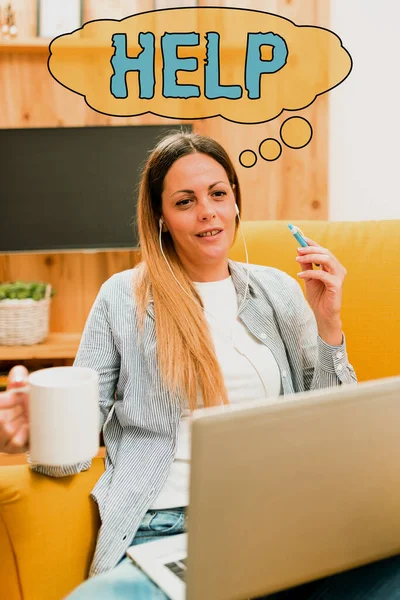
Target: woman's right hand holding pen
(14, 419)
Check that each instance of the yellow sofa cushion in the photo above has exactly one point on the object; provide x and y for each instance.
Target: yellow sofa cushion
(370, 251)
(48, 529)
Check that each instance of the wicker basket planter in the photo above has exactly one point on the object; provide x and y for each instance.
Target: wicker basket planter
(24, 322)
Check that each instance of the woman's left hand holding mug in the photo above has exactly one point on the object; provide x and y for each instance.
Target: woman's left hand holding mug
(14, 415)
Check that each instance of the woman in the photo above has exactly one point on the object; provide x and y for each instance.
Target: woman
(188, 327)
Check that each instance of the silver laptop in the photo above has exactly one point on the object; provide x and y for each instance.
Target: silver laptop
(284, 491)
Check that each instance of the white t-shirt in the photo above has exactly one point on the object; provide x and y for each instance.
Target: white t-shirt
(249, 369)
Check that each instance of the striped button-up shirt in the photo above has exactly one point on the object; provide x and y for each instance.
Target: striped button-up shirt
(140, 416)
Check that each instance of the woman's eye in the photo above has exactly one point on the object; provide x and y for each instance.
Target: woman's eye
(216, 193)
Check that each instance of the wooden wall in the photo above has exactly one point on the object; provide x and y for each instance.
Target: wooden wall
(293, 187)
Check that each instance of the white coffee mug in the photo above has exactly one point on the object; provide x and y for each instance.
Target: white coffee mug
(64, 415)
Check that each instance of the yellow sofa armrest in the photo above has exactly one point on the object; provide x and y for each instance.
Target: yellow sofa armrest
(48, 530)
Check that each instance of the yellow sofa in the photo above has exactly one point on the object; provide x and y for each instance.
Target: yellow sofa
(48, 527)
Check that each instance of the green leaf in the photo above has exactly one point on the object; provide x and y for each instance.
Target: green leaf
(23, 289)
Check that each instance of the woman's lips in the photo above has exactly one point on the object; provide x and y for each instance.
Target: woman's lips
(209, 238)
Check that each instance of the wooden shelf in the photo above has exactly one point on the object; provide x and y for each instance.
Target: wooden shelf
(36, 45)
(28, 45)
(57, 345)
(41, 45)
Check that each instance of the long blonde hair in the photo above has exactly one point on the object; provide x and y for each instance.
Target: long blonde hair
(185, 350)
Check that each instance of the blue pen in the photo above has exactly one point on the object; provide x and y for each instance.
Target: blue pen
(296, 232)
(299, 236)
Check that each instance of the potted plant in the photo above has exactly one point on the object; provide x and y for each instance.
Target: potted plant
(24, 312)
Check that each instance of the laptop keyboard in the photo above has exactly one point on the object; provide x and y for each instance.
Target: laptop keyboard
(178, 567)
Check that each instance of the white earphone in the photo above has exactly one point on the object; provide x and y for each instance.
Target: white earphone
(247, 262)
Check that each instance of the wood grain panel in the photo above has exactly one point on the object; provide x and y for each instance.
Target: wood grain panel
(25, 16)
(305, 171)
(295, 185)
(75, 276)
(32, 98)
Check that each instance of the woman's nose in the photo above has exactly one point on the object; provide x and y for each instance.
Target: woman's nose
(206, 210)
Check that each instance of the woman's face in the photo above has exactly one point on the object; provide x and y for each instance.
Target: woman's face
(197, 196)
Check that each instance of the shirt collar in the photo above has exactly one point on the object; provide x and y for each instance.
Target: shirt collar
(238, 272)
(239, 278)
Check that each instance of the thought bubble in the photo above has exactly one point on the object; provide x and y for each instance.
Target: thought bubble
(192, 63)
(296, 132)
(248, 158)
(270, 149)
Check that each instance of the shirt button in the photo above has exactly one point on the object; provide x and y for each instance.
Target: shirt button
(339, 367)
(151, 493)
(263, 336)
(284, 373)
(339, 354)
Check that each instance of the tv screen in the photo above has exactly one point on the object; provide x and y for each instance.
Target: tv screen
(72, 188)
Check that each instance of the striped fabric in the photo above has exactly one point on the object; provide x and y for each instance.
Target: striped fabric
(140, 417)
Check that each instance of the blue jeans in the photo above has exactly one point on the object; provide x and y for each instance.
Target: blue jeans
(376, 581)
(126, 581)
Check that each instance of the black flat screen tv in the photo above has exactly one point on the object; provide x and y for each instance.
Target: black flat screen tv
(72, 188)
